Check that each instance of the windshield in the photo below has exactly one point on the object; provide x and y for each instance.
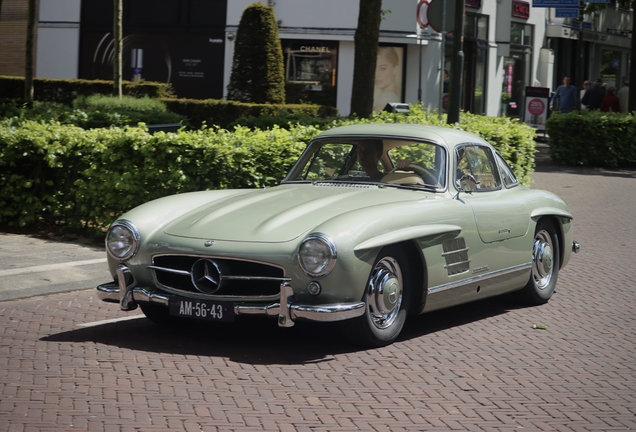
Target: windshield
(385, 161)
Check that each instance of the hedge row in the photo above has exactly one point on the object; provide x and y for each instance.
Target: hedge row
(51, 173)
(66, 90)
(225, 114)
(592, 139)
(210, 112)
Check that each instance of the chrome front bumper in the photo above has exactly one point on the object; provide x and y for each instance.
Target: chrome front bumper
(128, 295)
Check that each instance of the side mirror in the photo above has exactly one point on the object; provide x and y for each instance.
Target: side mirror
(467, 183)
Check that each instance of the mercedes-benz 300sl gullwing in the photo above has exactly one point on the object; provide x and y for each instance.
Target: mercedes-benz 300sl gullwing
(373, 223)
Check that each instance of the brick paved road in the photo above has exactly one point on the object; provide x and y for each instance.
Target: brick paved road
(475, 367)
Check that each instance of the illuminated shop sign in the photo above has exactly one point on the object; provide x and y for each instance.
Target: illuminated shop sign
(521, 9)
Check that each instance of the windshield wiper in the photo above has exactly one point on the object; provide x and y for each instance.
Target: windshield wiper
(411, 186)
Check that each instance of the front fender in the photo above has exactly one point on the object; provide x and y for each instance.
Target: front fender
(408, 233)
(550, 211)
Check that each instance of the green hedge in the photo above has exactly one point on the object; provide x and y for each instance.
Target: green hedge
(66, 90)
(592, 139)
(224, 114)
(51, 172)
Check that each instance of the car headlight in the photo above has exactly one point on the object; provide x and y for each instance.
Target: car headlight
(317, 255)
(122, 240)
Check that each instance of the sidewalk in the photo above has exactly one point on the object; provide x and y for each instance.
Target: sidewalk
(31, 265)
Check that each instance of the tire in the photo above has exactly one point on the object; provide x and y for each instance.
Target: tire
(156, 313)
(387, 296)
(545, 264)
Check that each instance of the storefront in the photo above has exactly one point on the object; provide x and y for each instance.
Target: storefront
(310, 71)
(517, 68)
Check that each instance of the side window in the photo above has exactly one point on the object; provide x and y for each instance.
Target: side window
(477, 161)
(507, 176)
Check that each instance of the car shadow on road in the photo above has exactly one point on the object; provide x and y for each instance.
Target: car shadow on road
(258, 341)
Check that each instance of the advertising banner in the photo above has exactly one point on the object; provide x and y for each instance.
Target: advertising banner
(536, 107)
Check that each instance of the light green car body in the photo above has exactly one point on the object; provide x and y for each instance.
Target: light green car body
(492, 233)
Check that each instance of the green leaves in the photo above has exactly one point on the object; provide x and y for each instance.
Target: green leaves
(53, 173)
(592, 138)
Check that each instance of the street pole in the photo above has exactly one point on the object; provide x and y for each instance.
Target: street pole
(457, 65)
(441, 67)
(419, 86)
(580, 67)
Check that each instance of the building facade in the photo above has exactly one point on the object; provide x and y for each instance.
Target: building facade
(508, 45)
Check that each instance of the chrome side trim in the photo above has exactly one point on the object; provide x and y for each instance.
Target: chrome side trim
(466, 249)
(576, 246)
(457, 263)
(457, 284)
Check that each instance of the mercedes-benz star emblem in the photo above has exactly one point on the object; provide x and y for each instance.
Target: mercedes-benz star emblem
(206, 276)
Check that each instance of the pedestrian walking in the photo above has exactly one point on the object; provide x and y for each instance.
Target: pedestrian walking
(623, 96)
(610, 102)
(594, 96)
(586, 85)
(567, 96)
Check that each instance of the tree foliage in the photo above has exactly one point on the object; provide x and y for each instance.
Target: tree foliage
(257, 68)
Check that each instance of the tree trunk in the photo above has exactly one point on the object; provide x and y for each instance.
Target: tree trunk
(365, 58)
(29, 64)
(117, 36)
(632, 79)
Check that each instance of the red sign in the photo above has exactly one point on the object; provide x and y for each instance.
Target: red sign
(422, 13)
(521, 9)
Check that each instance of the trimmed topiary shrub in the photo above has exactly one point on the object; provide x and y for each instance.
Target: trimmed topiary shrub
(257, 68)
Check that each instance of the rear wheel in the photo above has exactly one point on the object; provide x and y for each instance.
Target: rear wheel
(387, 296)
(545, 264)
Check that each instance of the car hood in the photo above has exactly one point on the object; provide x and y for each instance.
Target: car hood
(280, 214)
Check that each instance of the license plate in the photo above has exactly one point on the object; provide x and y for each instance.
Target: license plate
(201, 309)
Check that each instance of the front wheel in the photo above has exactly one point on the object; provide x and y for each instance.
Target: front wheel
(545, 264)
(386, 298)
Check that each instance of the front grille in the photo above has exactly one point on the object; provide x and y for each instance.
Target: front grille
(240, 278)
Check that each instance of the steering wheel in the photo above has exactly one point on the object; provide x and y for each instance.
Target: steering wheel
(422, 172)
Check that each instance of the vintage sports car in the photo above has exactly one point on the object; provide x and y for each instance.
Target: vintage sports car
(373, 223)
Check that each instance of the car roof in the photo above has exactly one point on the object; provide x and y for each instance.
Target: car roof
(445, 136)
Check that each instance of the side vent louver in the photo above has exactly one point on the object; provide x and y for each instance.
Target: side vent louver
(456, 256)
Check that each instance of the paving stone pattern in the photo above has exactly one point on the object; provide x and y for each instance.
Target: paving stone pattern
(478, 367)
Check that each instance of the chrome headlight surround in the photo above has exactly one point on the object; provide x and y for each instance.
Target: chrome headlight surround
(122, 240)
(317, 255)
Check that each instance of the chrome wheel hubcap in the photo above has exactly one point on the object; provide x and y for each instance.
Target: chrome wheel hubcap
(384, 293)
(542, 259)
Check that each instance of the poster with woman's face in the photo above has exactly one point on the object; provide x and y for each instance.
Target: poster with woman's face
(388, 76)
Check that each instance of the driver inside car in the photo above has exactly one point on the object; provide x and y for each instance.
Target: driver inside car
(369, 153)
